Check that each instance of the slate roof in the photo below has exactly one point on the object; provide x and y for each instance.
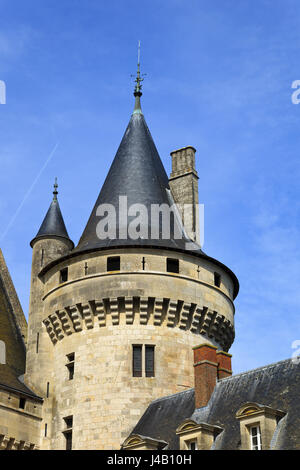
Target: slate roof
(53, 223)
(275, 385)
(12, 332)
(136, 172)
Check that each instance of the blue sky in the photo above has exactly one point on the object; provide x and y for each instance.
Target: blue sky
(219, 77)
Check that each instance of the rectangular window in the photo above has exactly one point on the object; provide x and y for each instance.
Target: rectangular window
(217, 279)
(68, 422)
(255, 437)
(192, 445)
(64, 275)
(71, 365)
(68, 432)
(22, 403)
(137, 361)
(37, 342)
(113, 263)
(47, 393)
(172, 265)
(149, 361)
(68, 437)
(45, 429)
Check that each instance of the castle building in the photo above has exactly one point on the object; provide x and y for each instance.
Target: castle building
(128, 332)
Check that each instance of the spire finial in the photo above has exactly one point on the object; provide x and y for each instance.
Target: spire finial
(55, 192)
(138, 87)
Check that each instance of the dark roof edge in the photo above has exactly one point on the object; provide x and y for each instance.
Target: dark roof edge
(22, 392)
(13, 300)
(192, 253)
(40, 237)
(232, 377)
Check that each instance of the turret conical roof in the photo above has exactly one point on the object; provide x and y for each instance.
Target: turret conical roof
(138, 174)
(53, 223)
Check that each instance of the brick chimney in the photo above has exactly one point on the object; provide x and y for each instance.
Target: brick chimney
(209, 365)
(224, 364)
(205, 370)
(184, 187)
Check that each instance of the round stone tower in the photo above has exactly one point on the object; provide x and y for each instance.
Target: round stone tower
(119, 314)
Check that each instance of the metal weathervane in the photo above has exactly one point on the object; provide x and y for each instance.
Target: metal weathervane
(139, 79)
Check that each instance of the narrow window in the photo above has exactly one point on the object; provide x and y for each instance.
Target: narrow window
(69, 422)
(70, 365)
(68, 432)
(47, 393)
(113, 263)
(172, 265)
(255, 438)
(217, 279)
(45, 429)
(37, 342)
(64, 275)
(137, 361)
(149, 361)
(2, 352)
(22, 403)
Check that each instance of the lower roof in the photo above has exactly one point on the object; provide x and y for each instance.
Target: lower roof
(275, 385)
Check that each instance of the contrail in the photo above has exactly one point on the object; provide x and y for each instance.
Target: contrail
(28, 192)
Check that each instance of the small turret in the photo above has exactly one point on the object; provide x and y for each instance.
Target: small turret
(51, 243)
(53, 224)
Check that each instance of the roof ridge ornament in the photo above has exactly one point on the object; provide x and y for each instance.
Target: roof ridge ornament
(55, 192)
(138, 87)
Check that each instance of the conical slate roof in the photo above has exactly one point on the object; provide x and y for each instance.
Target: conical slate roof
(137, 176)
(53, 223)
(137, 173)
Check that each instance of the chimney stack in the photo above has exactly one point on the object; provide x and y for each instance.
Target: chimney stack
(184, 186)
(224, 364)
(209, 366)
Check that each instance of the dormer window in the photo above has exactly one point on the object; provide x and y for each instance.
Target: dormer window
(197, 436)
(257, 425)
(137, 442)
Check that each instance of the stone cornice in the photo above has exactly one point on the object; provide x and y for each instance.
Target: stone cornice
(142, 273)
(197, 319)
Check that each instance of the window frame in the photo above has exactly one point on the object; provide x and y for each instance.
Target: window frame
(112, 259)
(217, 279)
(70, 365)
(136, 372)
(63, 275)
(68, 432)
(192, 441)
(256, 436)
(149, 372)
(144, 371)
(169, 262)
